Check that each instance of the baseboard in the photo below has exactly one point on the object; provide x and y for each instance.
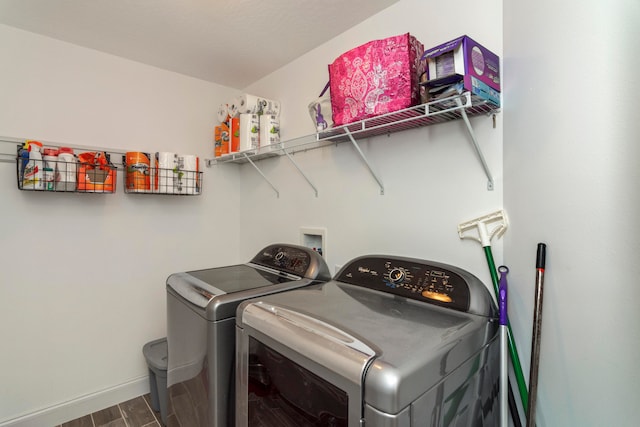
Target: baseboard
(76, 408)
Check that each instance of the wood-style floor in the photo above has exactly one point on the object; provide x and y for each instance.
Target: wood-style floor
(136, 412)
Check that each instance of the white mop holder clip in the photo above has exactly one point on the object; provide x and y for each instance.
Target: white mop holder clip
(488, 226)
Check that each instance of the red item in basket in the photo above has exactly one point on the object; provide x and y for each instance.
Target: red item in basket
(378, 77)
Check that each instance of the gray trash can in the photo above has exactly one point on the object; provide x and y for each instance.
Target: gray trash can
(156, 354)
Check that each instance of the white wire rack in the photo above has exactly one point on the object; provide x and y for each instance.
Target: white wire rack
(457, 107)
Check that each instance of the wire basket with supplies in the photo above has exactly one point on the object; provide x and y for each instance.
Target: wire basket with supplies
(162, 173)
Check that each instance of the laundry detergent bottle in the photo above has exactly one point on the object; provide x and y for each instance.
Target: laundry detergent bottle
(67, 168)
(33, 172)
(50, 158)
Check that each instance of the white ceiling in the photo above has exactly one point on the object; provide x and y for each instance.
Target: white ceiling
(230, 42)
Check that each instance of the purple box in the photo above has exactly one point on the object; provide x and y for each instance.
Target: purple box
(475, 64)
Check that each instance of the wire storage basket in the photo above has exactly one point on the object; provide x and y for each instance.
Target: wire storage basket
(61, 170)
(146, 177)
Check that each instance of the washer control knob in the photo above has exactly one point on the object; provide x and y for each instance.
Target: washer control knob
(396, 275)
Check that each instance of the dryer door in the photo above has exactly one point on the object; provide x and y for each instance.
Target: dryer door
(295, 370)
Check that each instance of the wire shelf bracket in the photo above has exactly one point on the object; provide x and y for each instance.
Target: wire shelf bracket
(262, 174)
(366, 162)
(301, 172)
(476, 146)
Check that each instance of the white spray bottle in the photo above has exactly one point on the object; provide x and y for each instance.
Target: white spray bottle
(33, 171)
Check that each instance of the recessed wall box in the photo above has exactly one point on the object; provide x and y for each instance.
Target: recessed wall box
(314, 238)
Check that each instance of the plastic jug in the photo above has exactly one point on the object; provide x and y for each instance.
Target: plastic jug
(33, 171)
(67, 168)
(50, 158)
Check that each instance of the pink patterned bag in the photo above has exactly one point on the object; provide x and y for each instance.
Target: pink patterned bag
(376, 78)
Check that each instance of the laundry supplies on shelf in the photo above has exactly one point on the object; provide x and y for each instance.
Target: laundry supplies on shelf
(243, 128)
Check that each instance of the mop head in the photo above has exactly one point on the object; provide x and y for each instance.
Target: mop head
(484, 228)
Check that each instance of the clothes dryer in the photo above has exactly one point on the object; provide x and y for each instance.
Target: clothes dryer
(390, 341)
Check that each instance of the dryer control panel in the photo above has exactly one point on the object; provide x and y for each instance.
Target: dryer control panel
(425, 281)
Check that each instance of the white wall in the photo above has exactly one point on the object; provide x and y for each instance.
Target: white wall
(83, 275)
(572, 163)
(432, 177)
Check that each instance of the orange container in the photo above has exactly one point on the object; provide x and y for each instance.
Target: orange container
(95, 173)
(235, 134)
(217, 141)
(222, 139)
(138, 177)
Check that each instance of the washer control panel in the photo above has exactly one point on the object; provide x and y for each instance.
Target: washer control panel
(292, 259)
(424, 281)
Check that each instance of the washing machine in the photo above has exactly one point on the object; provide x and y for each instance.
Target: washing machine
(389, 342)
(201, 307)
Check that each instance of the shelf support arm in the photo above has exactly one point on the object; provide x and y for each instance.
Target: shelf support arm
(263, 175)
(364, 159)
(300, 170)
(465, 118)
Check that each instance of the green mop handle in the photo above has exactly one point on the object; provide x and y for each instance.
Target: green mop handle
(513, 351)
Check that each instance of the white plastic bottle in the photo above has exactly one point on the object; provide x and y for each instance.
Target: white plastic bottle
(50, 157)
(67, 167)
(33, 171)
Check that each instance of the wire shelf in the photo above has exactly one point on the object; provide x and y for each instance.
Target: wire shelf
(440, 111)
(422, 115)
